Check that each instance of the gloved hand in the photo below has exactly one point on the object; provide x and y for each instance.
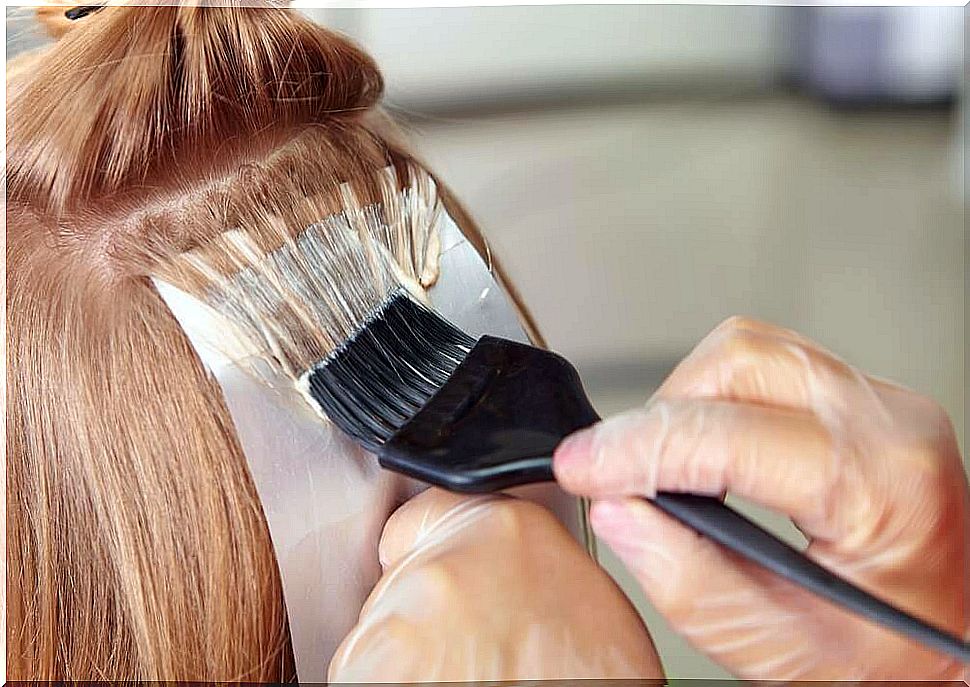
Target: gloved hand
(868, 471)
(490, 588)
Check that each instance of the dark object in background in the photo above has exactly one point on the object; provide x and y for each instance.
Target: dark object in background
(81, 11)
(880, 56)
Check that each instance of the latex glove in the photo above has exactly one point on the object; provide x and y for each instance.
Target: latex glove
(490, 588)
(868, 471)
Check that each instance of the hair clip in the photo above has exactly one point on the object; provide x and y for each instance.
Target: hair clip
(81, 11)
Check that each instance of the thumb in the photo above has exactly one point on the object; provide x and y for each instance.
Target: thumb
(424, 519)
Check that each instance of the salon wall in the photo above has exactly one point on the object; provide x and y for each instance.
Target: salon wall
(645, 172)
(482, 55)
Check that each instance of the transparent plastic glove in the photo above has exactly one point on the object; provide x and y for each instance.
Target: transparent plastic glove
(490, 588)
(868, 471)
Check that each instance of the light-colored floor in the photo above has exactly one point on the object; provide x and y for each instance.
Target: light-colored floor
(632, 230)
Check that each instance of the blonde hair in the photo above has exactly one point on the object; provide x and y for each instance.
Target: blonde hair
(137, 548)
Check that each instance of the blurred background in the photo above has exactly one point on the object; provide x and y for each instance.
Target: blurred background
(646, 171)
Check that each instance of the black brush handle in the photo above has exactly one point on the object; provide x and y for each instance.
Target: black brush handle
(735, 532)
(718, 522)
(496, 422)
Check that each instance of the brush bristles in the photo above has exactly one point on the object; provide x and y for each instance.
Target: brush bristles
(298, 297)
(387, 371)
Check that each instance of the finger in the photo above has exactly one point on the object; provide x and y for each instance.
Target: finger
(737, 323)
(739, 616)
(756, 362)
(760, 326)
(782, 459)
(754, 623)
(422, 518)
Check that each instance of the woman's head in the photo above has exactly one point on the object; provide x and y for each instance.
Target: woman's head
(137, 546)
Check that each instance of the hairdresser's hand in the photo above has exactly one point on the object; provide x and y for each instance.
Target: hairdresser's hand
(490, 588)
(868, 471)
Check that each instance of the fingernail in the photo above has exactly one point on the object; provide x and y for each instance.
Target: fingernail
(573, 454)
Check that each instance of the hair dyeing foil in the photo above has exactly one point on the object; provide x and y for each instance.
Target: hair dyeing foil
(325, 499)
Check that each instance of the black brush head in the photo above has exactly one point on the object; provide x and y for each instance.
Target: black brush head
(434, 403)
(384, 374)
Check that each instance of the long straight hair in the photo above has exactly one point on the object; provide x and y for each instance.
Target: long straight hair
(137, 547)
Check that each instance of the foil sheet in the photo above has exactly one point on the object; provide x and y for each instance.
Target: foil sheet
(325, 499)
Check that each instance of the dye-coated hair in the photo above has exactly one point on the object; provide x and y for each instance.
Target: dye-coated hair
(137, 547)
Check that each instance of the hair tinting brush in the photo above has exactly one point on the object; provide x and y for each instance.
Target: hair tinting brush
(485, 415)
(333, 308)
